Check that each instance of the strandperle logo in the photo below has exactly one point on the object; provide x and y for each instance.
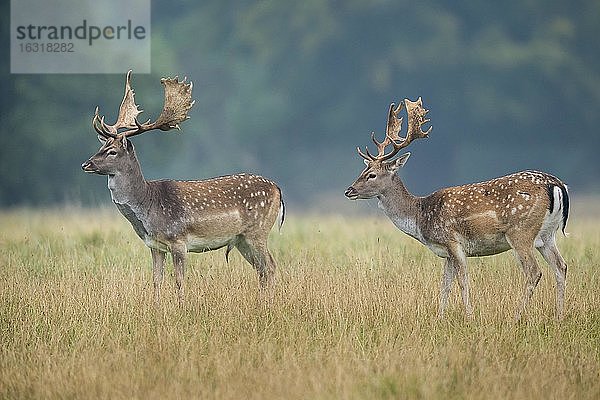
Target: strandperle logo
(80, 36)
(85, 32)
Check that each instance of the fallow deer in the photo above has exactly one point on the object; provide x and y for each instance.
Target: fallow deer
(521, 211)
(184, 216)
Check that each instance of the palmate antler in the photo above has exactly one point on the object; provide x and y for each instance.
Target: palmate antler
(178, 101)
(416, 119)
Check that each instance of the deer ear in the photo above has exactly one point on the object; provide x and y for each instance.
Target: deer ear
(398, 163)
(101, 139)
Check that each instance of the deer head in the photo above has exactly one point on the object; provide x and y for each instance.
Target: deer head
(117, 151)
(382, 167)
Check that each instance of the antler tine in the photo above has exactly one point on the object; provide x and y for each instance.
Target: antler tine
(416, 119)
(178, 101)
(380, 145)
(94, 123)
(100, 127)
(106, 127)
(128, 112)
(367, 156)
(394, 122)
(392, 132)
(392, 128)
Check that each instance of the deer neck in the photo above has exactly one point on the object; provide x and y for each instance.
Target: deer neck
(402, 208)
(127, 185)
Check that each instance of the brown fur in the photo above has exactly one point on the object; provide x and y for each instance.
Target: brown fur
(191, 216)
(183, 216)
(521, 211)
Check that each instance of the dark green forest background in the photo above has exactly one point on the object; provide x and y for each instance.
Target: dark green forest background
(288, 89)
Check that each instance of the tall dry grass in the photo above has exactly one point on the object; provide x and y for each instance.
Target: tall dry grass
(353, 315)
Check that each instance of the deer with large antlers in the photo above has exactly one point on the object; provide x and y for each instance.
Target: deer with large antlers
(184, 216)
(521, 211)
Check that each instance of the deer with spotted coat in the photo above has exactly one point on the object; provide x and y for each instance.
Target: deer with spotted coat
(521, 211)
(184, 216)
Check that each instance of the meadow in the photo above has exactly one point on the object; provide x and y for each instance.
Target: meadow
(353, 315)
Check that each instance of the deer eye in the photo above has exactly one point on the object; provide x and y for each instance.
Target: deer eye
(111, 153)
(371, 176)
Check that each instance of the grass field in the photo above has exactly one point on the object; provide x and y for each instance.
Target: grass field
(353, 315)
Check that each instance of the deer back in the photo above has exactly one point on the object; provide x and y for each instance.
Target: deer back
(522, 203)
(214, 211)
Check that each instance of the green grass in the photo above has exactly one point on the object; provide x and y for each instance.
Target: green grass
(353, 315)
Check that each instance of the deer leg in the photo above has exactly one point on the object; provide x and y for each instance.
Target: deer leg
(532, 275)
(158, 268)
(179, 253)
(458, 258)
(552, 256)
(258, 255)
(447, 280)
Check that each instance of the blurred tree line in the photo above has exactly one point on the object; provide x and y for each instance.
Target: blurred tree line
(288, 89)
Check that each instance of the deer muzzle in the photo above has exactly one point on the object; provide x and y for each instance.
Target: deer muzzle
(89, 166)
(351, 193)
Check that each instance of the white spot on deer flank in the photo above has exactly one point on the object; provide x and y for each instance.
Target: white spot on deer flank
(526, 196)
